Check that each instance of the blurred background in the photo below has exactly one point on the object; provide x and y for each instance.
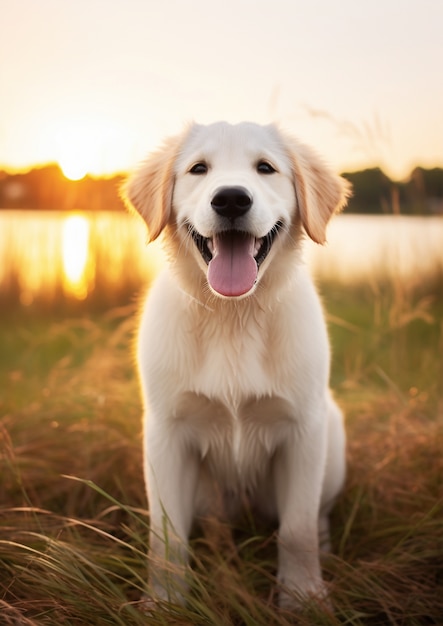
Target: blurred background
(90, 87)
(87, 89)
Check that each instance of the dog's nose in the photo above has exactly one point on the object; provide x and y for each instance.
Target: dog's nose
(231, 202)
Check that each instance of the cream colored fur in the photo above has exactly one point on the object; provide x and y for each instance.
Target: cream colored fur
(236, 389)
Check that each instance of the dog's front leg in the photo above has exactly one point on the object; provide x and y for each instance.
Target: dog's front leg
(171, 473)
(298, 474)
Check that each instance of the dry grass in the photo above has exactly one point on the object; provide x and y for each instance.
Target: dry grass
(73, 519)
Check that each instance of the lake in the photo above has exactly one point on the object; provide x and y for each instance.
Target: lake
(53, 255)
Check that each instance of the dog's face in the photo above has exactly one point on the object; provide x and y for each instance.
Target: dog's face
(233, 196)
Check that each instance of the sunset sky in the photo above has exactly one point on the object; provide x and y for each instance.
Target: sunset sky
(96, 84)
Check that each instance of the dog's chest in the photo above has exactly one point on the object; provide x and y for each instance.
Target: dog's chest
(236, 443)
(234, 407)
(234, 362)
(230, 371)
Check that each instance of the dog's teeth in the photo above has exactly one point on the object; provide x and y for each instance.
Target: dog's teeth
(210, 245)
(258, 244)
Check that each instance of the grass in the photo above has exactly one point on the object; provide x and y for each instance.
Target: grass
(73, 516)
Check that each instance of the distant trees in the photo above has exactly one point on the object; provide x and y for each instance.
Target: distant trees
(46, 188)
(374, 192)
(424, 191)
(371, 191)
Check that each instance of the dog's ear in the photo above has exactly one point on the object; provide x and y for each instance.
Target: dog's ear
(320, 193)
(149, 189)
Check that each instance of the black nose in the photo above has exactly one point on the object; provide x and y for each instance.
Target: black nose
(231, 202)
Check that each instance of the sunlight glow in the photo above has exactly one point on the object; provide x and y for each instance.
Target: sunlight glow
(88, 145)
(73, 152)
(75, 251)
(72, 169)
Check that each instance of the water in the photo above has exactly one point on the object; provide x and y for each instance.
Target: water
(379, 247)
(53, 255)
(50, 255)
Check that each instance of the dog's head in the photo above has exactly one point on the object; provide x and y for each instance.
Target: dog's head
(232, 196)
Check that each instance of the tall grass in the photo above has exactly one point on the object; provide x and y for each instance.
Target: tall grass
(74, 520)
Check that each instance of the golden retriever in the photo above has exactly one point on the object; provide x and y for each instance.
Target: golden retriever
(233, 349)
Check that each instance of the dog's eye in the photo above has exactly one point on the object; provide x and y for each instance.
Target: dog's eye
(199, 168)
(263, 167)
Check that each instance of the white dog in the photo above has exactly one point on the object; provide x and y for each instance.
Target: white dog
(233, 349)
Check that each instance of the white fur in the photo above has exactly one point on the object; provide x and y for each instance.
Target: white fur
(236, 389)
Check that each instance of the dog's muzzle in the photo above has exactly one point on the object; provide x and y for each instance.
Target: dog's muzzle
(234, 257)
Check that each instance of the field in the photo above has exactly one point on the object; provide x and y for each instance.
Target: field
(73, 516)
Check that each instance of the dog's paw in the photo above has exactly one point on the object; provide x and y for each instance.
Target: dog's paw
(293, 598)
(150, 604)
(147, 605)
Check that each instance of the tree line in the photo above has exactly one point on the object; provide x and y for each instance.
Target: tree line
(374, 192)
(46, 188)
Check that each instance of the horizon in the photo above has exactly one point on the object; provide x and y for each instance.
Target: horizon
(95, 88)
(107, 176)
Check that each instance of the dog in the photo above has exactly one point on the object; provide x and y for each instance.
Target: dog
(233, 350)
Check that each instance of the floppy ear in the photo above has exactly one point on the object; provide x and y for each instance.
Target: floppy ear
(319, 191)
(149, 190)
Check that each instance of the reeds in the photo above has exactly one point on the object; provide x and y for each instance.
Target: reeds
(74, 520)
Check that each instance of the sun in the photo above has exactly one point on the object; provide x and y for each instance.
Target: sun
(72, 169)
(74, 151)
(90, 145)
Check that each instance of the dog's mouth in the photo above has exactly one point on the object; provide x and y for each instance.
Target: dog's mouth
(233, 258)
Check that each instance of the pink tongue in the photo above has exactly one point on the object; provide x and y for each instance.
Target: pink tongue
(233, 270)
